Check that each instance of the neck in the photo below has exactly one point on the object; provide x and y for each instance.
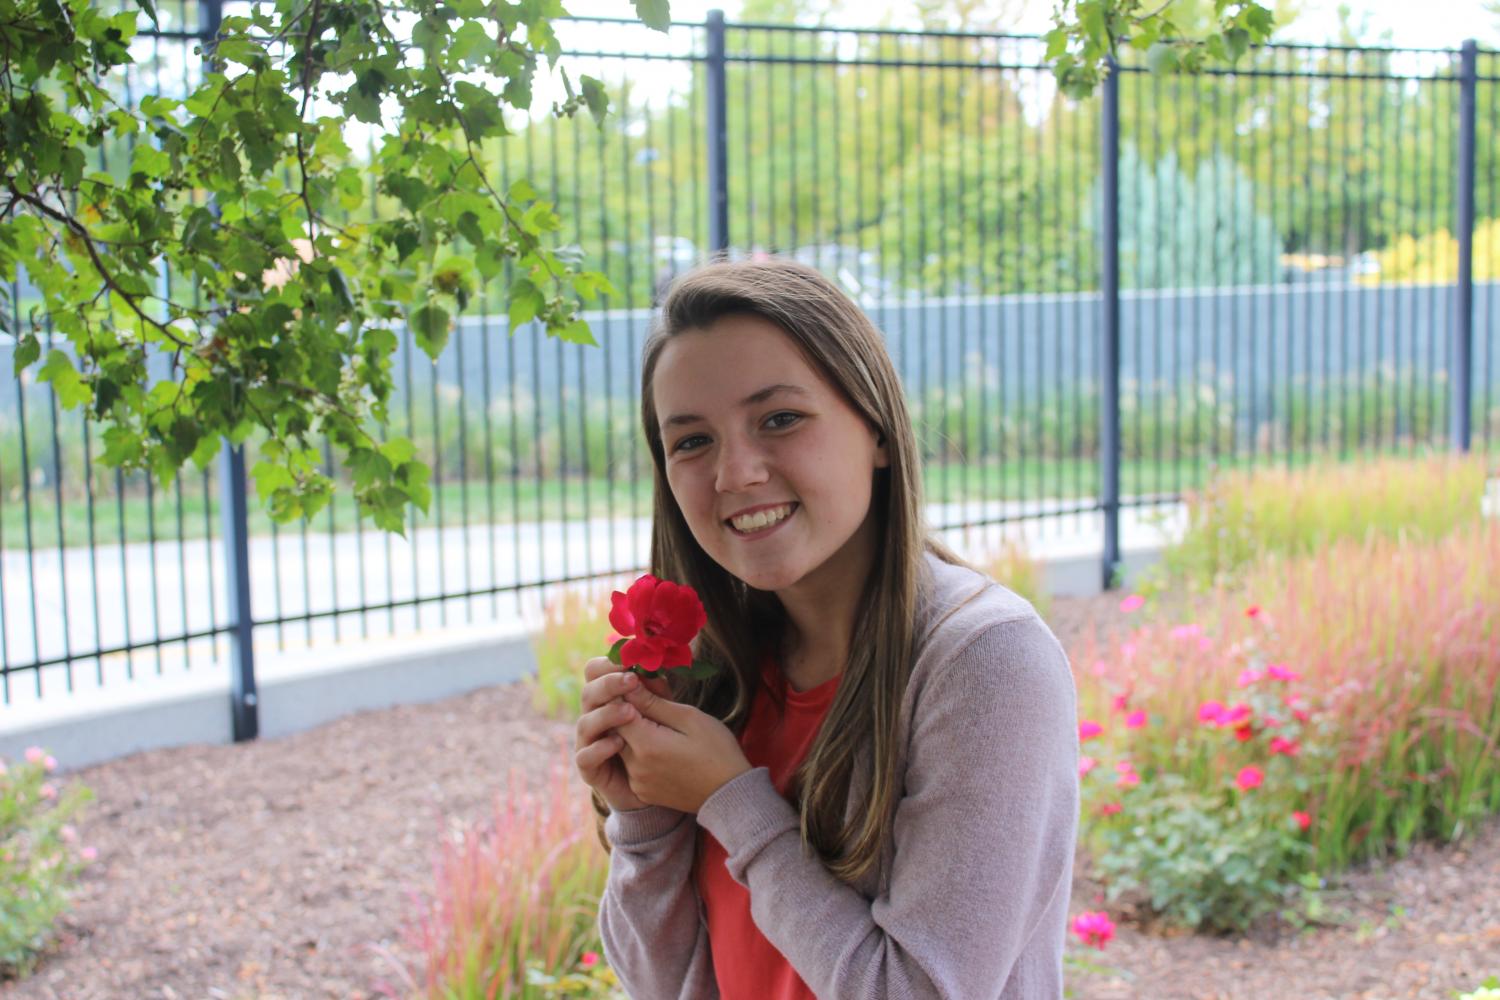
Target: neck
(822, 608)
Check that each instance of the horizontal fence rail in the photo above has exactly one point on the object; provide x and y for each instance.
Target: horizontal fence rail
(1294, 260)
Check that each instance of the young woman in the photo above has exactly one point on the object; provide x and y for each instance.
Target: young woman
(877, 795)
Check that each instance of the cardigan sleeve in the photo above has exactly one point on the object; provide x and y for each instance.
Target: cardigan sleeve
(649, 923)
(984, 839)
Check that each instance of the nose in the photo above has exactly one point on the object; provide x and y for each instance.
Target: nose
(741, 464)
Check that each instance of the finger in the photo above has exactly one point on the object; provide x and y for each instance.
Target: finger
(595, 724)
(607, 688)
(591, 757)
(598, 666)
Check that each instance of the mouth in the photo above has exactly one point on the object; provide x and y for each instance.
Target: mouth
(762, 523)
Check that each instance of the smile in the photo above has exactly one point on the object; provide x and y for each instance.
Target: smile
(760, 528)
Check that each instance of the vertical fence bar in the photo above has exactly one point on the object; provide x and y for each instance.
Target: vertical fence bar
(1461, 393)
(1109, 326)
(718, 140)
(242, 697)
(244, 711)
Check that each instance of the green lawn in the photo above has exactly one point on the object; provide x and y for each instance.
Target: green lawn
(504, 502)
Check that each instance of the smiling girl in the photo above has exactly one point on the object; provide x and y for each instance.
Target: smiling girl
(877, 794)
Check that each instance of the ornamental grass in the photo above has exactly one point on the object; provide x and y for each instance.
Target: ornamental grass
(513, 907)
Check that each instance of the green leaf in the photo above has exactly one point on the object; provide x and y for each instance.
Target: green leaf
(614, 651)
(469, 38)
(577, 332)
(525, 302)
(27, 351)
(596, 99)
(70, 388)
(429, 324)
(653, 13)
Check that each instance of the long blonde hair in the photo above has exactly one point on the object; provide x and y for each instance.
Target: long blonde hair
(745, 625)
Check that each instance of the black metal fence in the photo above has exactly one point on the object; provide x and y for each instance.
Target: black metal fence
(1094, 306)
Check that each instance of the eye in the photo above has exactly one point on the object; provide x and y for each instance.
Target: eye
(783, 413)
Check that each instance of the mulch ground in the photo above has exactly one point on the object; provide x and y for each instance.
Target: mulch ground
(267, 870)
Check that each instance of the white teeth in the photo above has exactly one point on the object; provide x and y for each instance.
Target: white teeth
(761, 519)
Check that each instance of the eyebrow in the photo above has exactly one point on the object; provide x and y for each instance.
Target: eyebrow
(759, 396)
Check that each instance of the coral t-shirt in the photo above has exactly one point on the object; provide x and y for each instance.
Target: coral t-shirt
(746, 964)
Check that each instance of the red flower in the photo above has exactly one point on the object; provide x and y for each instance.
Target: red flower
(1286, 746)
(1094, 928)
(1303, 819)
(1245, 732)
(662, 617)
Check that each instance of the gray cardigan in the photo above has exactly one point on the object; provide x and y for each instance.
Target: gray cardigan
(970, 902)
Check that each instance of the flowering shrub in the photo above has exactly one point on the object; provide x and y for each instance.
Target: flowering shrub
(1245, 516)
(1206, 832)
(1329, 709)
(514, 906)
(40, 857)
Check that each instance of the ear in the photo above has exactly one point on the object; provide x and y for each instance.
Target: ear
(882, 455)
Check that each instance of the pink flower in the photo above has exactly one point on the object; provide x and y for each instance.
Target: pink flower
(48, 792)
(1253, 611)
(1100, 668)
(1088, 729)
(1271, 722)
(1127, 651)
(1128, 779)
(1303, 819)
(89, 853)
(1239, 713)
(34, 755)
(589, 960)
(1211, 712)
(1135, 720)
(1110, 808)
(1085, 765)
(1249, 676)
(1132, 603)
(50, 763)
(68, 834)
(1280, 672)
(1094, 928)
(1288, 747)
(1118, 704)
(1249, 777)
(1186, 631)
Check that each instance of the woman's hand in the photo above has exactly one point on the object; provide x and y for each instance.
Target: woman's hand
(676, 755)
(598, 745)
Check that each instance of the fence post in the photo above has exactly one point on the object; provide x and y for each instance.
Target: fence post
(244, 712)
(1109, 326)
(1461, 394)
(717, 126)
(243, 701)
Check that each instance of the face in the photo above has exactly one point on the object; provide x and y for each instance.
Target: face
(804, 446)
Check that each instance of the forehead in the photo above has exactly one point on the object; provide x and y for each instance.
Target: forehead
(707, 371)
